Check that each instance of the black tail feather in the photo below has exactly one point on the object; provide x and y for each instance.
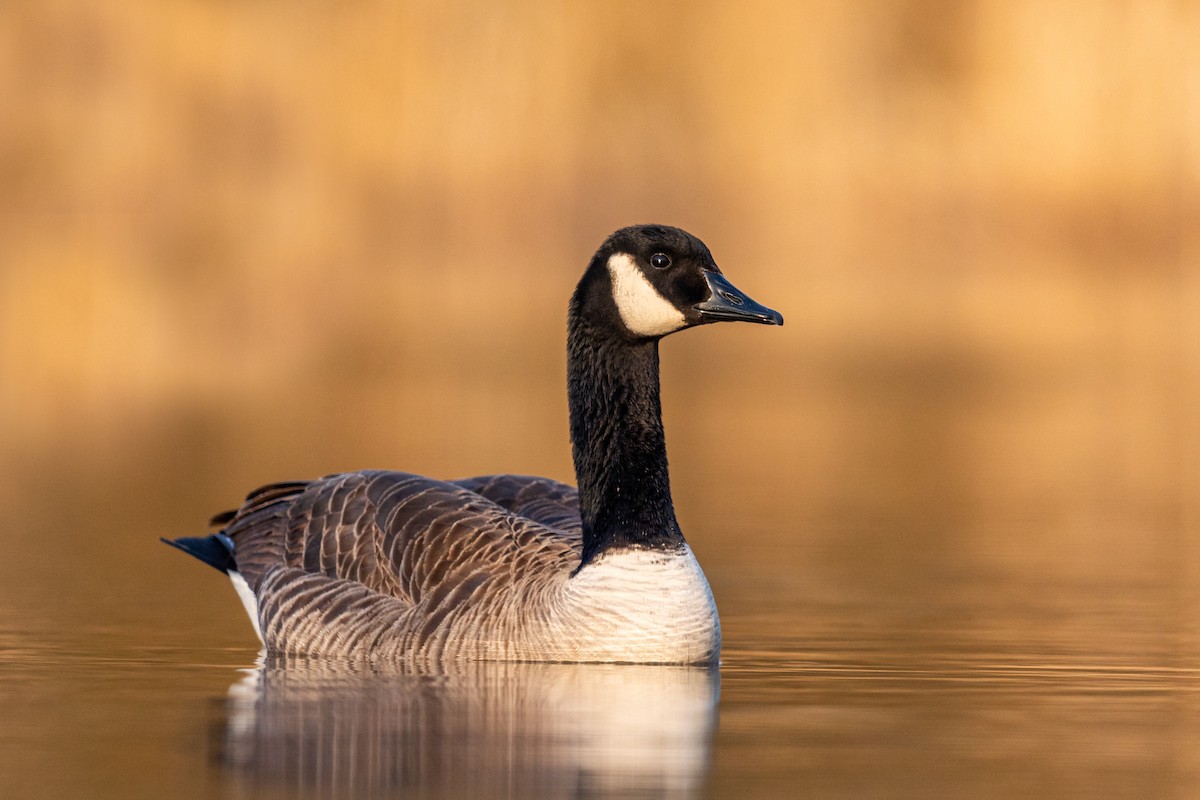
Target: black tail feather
(215, 550)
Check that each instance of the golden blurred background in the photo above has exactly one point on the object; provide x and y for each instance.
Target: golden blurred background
(243, 242)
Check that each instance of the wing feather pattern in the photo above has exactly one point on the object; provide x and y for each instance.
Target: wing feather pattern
(356, 562)
(554, 504)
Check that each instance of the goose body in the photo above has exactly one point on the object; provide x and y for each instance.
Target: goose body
(505, 567)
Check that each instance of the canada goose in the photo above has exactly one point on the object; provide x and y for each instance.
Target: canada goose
(395, 566)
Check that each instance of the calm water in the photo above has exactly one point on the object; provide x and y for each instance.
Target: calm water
(854, 681)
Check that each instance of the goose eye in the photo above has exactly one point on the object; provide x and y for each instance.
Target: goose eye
(660, 261)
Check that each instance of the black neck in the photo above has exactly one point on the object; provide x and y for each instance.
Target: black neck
(617, 440)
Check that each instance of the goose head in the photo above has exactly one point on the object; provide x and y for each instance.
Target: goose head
(648, 281)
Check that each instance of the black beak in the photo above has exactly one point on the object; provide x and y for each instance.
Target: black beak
(727, 302)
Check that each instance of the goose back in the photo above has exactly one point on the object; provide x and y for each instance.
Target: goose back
(396, 545)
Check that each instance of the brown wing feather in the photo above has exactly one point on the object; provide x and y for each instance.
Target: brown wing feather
(405, 536)
(554, 504)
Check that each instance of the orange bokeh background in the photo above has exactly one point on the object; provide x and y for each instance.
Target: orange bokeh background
(242, 242)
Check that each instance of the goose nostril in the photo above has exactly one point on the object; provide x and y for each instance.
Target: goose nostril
(733, 298)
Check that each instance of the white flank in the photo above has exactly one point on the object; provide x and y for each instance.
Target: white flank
(248, 600)
(644, 311)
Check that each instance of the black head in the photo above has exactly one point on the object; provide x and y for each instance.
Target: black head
(652, 280)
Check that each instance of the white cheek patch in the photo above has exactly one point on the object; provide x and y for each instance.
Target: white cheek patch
(644, 311)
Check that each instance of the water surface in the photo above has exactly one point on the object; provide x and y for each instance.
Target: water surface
(976, 685)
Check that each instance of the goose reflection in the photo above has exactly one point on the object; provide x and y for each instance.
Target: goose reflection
(482, 729)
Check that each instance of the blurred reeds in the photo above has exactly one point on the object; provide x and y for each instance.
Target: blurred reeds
(251, 241)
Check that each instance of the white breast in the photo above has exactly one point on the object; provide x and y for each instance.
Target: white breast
(644, 605)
